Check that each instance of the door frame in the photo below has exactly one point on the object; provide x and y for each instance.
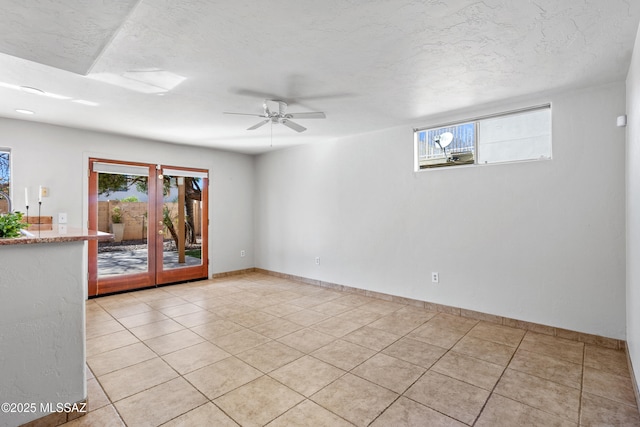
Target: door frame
(201, 271)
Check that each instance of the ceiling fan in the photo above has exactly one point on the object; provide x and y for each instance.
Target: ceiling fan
(281, 116)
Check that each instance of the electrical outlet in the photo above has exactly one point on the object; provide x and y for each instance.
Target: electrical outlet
(317, 260)
(243, 253)
(435, 277)
(62, 218)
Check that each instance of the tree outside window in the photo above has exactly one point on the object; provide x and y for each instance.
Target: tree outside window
(5, 179)
(5, 171)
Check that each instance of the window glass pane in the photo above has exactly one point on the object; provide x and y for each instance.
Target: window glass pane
(522, 136)
(5, 179)
(446, 146)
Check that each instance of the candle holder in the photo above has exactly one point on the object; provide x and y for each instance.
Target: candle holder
(39, 221)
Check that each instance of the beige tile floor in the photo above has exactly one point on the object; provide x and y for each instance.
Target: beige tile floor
(257, 350)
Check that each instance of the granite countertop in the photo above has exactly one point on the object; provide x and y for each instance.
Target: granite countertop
(57, 235)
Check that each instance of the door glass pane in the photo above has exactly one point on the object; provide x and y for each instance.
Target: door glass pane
(123, 211)
(182, 220)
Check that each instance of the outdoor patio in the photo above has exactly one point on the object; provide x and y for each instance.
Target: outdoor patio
(131, 261)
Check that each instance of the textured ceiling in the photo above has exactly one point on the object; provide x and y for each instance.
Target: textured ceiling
(167, 69)
(69, 35)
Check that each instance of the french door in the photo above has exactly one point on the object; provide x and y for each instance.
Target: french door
(158, 215)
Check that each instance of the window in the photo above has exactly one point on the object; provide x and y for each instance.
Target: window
(447, 146)
(508, 137)
(5, 179)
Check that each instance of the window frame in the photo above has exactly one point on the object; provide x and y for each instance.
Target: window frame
(10, 172)
(476, 121)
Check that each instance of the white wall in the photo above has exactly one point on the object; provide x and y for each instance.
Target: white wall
(633, 210)
(42, 350)
(536, 241)
(56, 157)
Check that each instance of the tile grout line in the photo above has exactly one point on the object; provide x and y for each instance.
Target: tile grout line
(314, 393)
(111, 403)
(498, 381)
(455, 311)
(180, 375)
(584, 358)
(434, 363)
(259, 309)
(108, 397)
(157, 355)
(425, 372)
(347, 371)
(192, 409)
(337, 338)
(235, 356)
(525, 333)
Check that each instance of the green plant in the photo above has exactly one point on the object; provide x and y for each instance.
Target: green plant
(196, 253)
(116, 215)
(11, 224)
(130, 199)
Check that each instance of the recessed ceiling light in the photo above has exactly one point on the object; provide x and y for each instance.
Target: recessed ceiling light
(83, 102)
(36, 91)
(56, 96)
(9, 86)
(33, 90)
(21, 111)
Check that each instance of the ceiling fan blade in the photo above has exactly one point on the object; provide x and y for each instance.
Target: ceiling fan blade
(326, 96)
(293, 125)
(245, 114)
(257, 125)
(251, 92)
(310, 115)
(282, 107)
(255, 93)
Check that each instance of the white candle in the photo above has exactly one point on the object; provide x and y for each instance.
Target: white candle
(26, 196)
(40, 194)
